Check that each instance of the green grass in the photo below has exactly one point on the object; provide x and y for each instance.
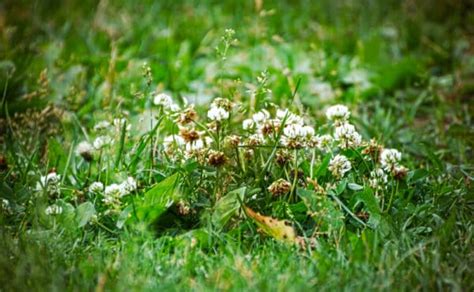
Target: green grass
(66, 67)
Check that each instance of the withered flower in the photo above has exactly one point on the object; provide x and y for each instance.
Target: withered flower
(189, 135)
(279, 187)
(283, 157)
(400, 172)
(216, 158)
(187, 116)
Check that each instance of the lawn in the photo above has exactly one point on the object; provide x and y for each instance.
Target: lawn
(236, 145)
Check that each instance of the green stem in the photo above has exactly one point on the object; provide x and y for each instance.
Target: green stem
(390, 201)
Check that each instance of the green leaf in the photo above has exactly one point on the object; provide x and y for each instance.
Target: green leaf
(84, 213)
(56, 155)
(227, 206)
(354, 186)
(341, 187)
(371, 204)
(158, 199)
(323, 168)
(417, 175)
(323, 211)
(123, 216)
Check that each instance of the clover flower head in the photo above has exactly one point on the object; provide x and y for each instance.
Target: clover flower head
(378, 179)
(163, 100)
(216, 158)
(307, 131)
(389, 159)
(85, 150)
(347, 136)
(101, 142)
(129, 185)
(260, 116)
(279, 187)
(223, 103)
(195, 145)
(255, 140)
(96, 187)
(324, 142)
(217, 114)
(49, 183)
(339, 165)
(172, 143)
(187, 116)
(248, 124)
(112, 194)
(5, 206)
(102, 126)
(291, 118)
(114, 190)
(338, 113)
(323, 90)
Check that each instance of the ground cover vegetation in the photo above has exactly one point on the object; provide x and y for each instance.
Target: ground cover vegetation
(250, 145)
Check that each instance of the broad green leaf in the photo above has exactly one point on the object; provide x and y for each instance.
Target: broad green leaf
(158, 199)
(367, 198)
(84, 213)
(68, 215)
(227, 206)
(341, 187)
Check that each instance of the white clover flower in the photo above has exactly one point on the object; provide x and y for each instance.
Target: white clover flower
(195, 145)
(347, 136)
(255, 140)
(307, 131)
(358, 77)
(163, 100)
(5, 206)
(338, 113)
(339, 165)
(96, 187)
(293, 131)
(248, 124)
(114, 190)
(296, 131)
(49, 183)
(174, 107)
(101, 142)
(324, 142)
(378, 179)
(112, 194)
(101, 126)
(129, 185)
(168, 141)
(280, 114)
(260, 116)
(86, 150)
(53, 210)
(323, 90)
(291, 118)
(217, 114)
(389, 159)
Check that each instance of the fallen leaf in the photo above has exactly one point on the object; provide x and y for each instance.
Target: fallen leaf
(278, 229)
